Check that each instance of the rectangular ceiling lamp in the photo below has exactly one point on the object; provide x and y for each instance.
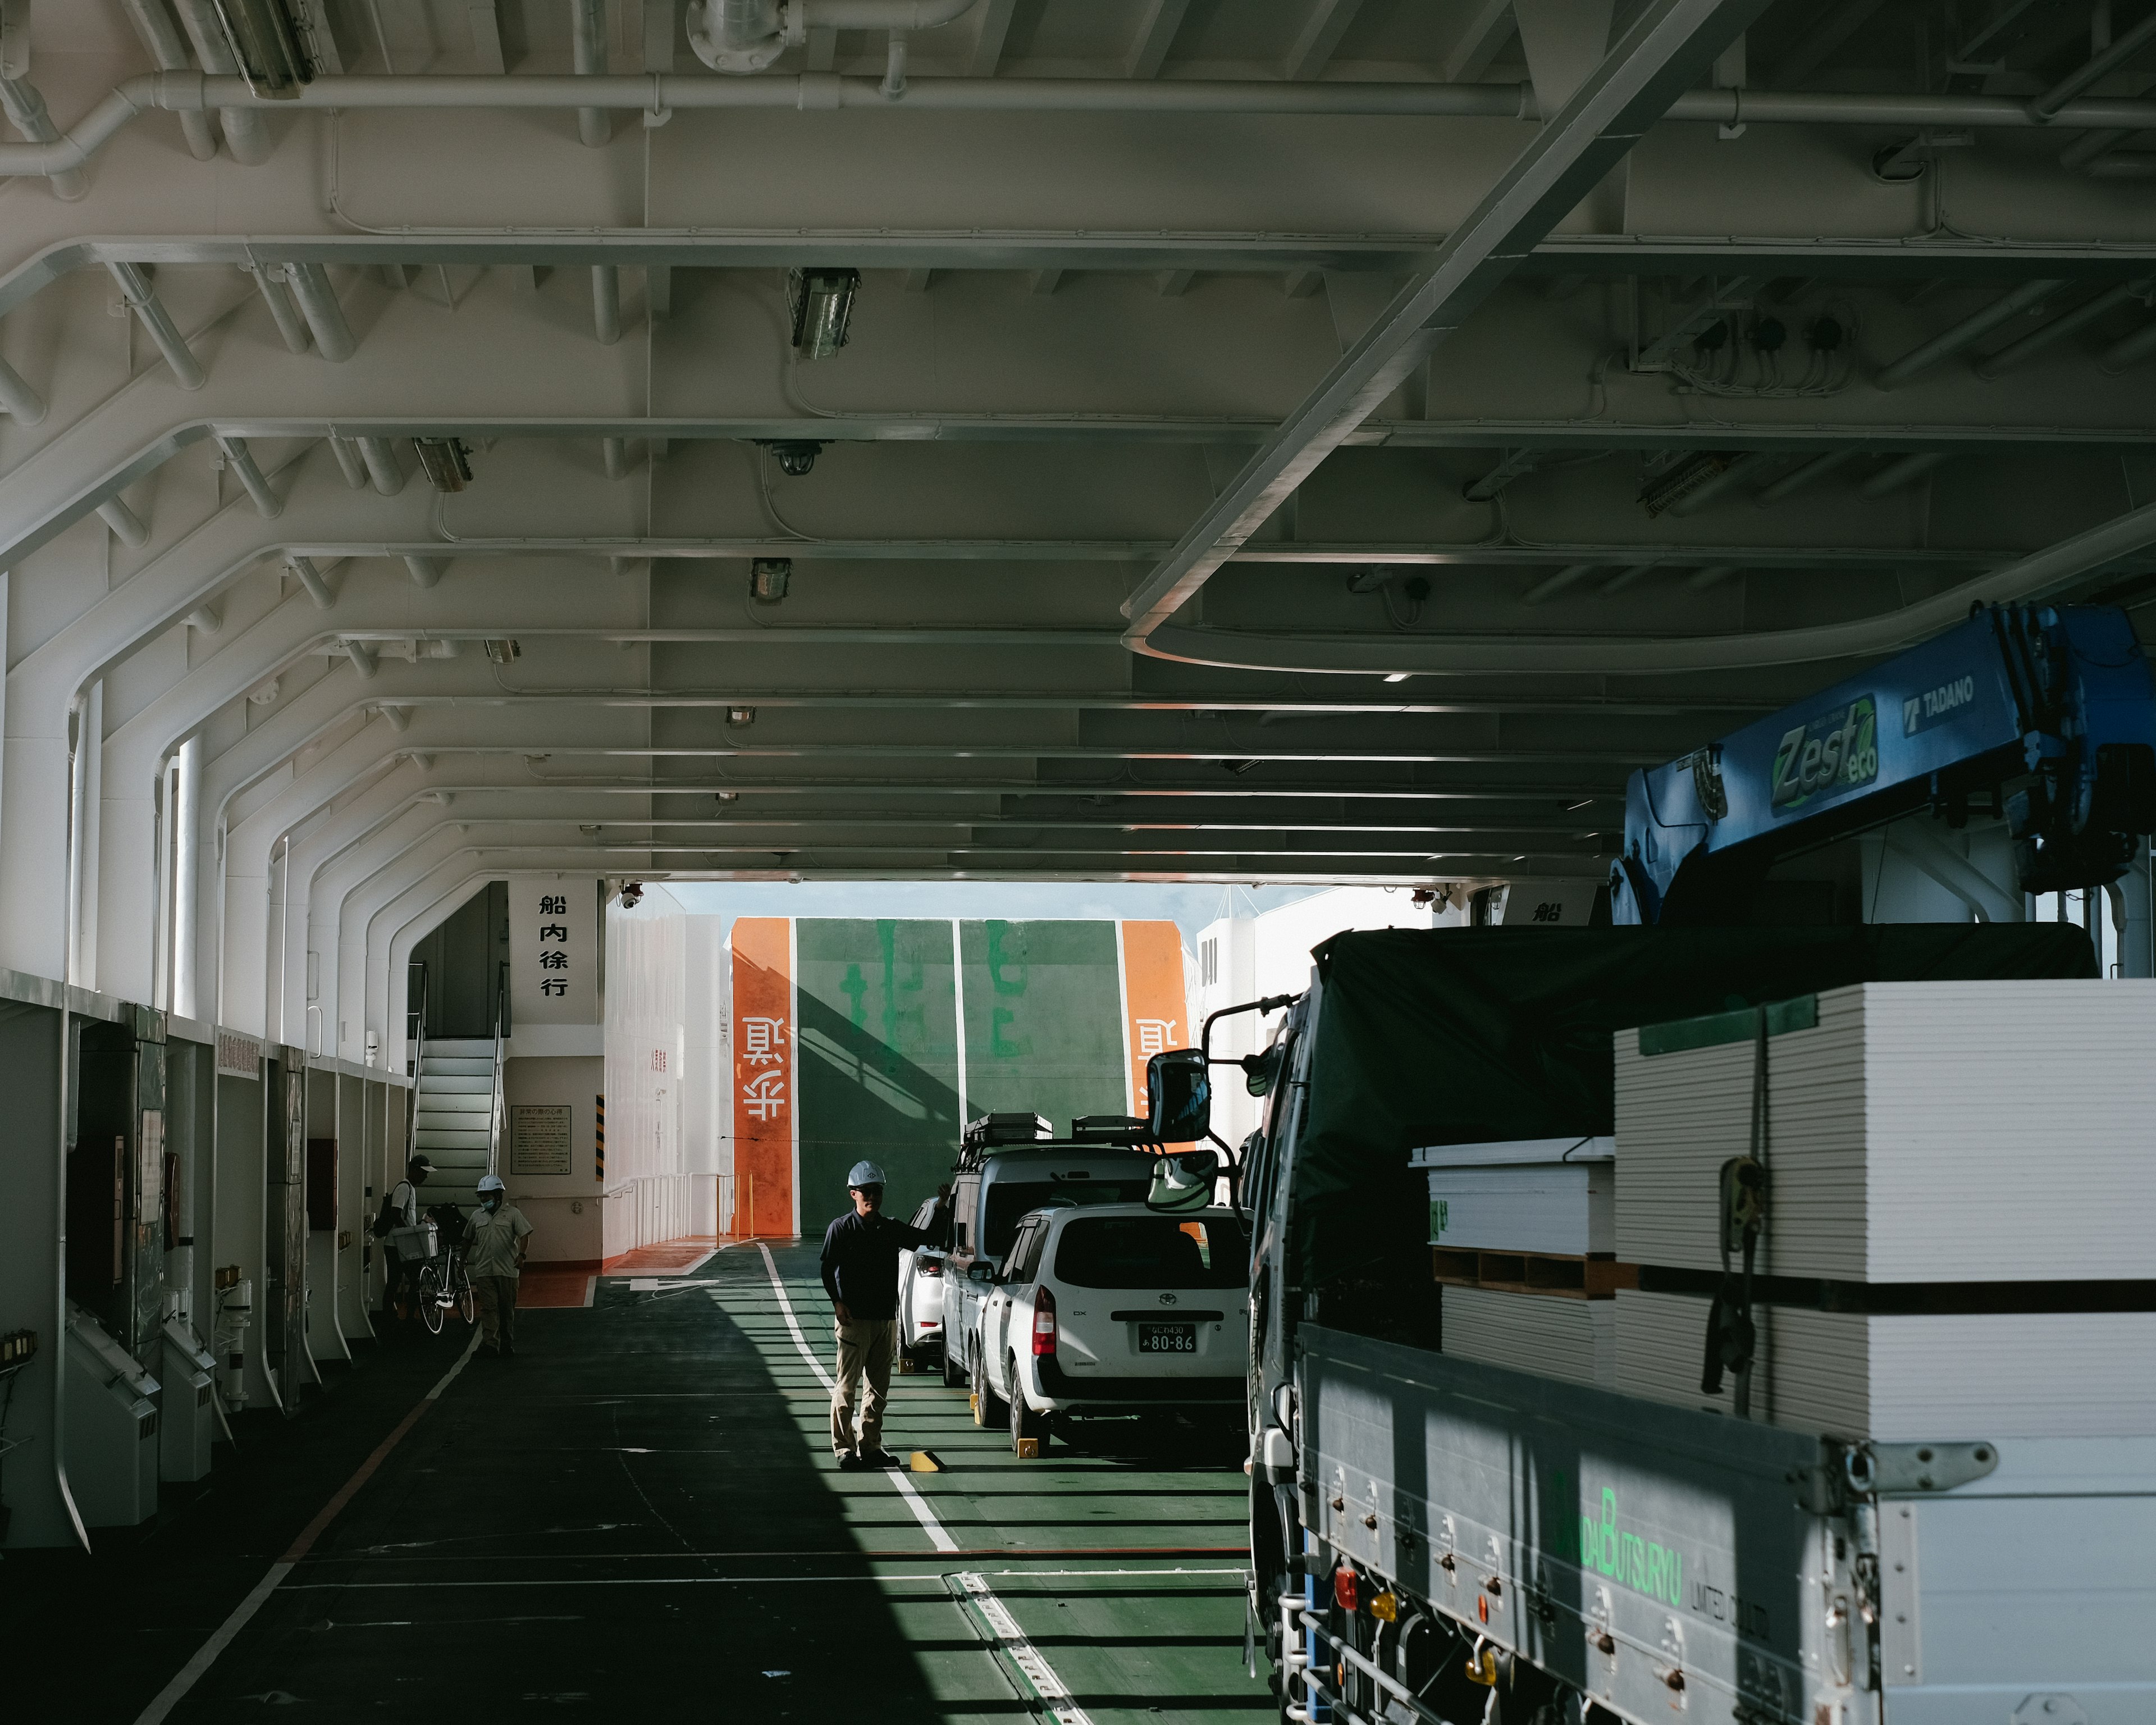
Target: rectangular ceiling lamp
(445, 463)
(274, 47)
(822, 303)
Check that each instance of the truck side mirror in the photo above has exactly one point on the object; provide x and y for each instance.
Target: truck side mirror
(1179, 1096)
(980, 1272)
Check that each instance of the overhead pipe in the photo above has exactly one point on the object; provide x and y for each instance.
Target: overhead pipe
(2124, 165)
(251, 478)
(1810, 473)
(399, 718)
(127, 527)
(361, 657)
(308, 576)
(1623, 578)
(1707, 490)
(1968, 330)
(2059, 328)
(18, 400)
(208, 619)
(282, 312)
(160, 36)
(606, 303)
(614, 452)
(246, 133)
(657, 92)
(587, 50)
(744, 36)
(425, 571)
(1550, 585)
(26, 112)
(1902, 472)
(380, 455)
(318, 304)
(1714, 575)
(134, 286)
(2047, 105)
(349, 461)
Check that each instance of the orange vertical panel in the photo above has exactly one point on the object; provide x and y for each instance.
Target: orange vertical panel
(763, 1073)
(1153, 1003)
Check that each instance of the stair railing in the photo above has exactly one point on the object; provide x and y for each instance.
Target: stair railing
(495, 1121)
(415, 1036)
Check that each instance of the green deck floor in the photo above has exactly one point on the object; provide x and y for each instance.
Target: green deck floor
(640, 1512)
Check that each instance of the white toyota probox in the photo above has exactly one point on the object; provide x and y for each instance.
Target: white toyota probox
(1113, 1309)
(920, 1286)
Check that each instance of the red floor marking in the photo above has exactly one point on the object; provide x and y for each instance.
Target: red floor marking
(671, 1255)
(552, 1288)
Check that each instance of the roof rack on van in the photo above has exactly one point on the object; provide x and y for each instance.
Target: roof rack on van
(991, 1131)
(1109, 1129)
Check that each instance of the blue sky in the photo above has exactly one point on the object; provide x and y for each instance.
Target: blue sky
(1189, 907)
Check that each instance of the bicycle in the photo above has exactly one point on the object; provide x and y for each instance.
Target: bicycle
(446, 1289)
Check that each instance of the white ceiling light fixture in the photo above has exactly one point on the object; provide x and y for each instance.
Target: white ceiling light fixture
(769, 579)
(273, 43)
(741, 715)
(821, 304)
(446, 461)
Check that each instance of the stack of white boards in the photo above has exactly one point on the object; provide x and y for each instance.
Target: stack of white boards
(1547, 1198)
(1963, 1172)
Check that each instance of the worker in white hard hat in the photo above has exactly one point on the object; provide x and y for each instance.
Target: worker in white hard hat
(495, 1240)
(861, 1274)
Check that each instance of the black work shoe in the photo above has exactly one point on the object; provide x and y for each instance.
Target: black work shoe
(851, 1463)
(879, 1458)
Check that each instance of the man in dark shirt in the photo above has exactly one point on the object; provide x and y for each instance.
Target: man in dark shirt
(861, 1274)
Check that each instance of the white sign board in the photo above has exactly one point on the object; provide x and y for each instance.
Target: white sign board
(539, 1138)
(553, 950)
(239, 1056)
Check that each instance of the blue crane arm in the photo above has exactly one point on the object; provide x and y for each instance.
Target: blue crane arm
(2049, 711)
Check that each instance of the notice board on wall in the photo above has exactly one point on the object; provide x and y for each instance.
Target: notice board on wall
(539, 1138)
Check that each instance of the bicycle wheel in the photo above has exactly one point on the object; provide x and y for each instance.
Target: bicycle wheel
(430, 1297)
(461, 1293)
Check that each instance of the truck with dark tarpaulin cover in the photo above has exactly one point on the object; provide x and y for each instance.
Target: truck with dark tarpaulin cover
(1434, 1538)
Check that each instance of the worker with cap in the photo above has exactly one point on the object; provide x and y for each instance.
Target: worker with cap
(495, 1244)
(861, 1274)
(400, 1209)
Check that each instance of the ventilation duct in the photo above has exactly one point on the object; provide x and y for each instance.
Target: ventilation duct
(272, 45)
(749, 35)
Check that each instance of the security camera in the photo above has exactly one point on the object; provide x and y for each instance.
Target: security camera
(631, 894)
(796, 456)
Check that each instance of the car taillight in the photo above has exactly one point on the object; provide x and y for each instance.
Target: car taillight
(1043, 1324)
(927, 1266)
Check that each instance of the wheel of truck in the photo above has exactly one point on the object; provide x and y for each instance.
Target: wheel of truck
(1024, 1423)
(953, 1376)
(988, 1405)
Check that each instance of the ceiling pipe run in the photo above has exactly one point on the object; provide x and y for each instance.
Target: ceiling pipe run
(1900, 474)
(18, 400)
(189, 92)
(129, 528)
(380, 455)
(2020, 352)
(587, 49)
(308, 576)
(246, 133)
(157, 323)
(26, 112)
(1966, 333)
(160, 36)
(746, 36)
(318, 304)
(349, 461)
(1798, 478)
(252, 479)
(283, 313)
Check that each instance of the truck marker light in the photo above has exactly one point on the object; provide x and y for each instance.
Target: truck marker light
(1346, 1587)
(1386, 1606)
(1044, 1325)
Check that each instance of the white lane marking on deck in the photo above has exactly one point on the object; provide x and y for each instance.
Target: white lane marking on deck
(1024, 1654)
(580, 1582)
(190, 1674)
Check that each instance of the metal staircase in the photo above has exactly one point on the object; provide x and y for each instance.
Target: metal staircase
(454, 1114)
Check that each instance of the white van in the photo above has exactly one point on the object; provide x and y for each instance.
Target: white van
(1114, 1309)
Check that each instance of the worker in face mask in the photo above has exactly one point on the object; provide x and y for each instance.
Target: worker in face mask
(495, 1244)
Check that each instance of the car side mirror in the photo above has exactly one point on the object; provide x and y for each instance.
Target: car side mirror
(1179, 1096)
(979, 1272)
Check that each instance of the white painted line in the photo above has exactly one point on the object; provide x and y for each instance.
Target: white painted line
(581, 1582)
(190, 1674)
(1027, 1658)
(175, 1691)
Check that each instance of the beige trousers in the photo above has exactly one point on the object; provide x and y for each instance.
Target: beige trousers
(865, 1350)
(497, 1311)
